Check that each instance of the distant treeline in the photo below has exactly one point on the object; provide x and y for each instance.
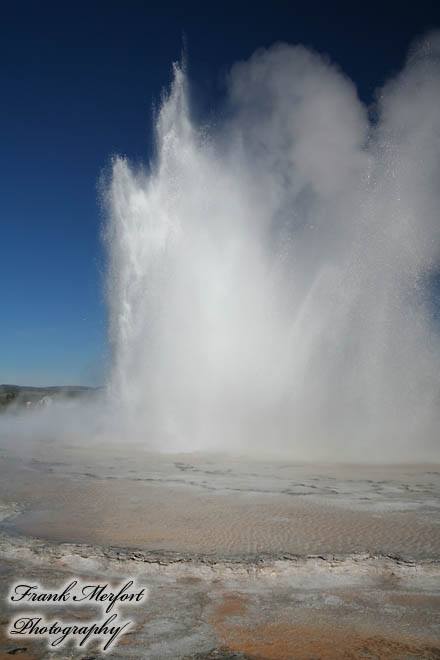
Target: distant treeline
(26, 395)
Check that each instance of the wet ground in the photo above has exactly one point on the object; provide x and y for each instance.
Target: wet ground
(243, 558)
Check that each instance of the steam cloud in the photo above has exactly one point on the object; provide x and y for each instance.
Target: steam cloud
(270, 280)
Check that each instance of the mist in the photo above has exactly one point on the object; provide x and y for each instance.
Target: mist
(270, 281)
(271, 275)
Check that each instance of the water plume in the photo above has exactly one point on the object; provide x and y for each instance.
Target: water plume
(270, 275)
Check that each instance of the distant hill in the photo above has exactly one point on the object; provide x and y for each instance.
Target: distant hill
(29, 396)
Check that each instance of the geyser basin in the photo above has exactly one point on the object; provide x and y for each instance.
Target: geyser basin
(269, 290)
(269, 278)
(216, 540)
(219, 506)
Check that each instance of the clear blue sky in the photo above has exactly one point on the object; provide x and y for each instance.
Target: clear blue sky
(77, 85)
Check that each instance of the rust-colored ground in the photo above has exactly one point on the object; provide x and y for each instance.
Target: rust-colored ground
(317, 639)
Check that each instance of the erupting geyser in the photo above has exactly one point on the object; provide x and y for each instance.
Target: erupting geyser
(271, 276)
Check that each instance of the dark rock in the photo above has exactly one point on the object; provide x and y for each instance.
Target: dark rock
(23, 649)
